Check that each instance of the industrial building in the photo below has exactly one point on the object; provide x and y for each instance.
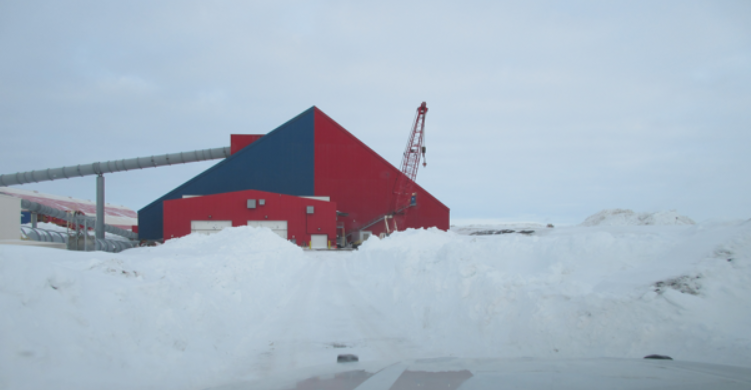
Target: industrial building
(309, 180)
(308, 221)
(309, 163)
(115, 215)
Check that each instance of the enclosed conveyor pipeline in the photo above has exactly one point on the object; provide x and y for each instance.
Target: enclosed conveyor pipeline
(99, 168)
(76, 219)
(44, 235)
(75, 242)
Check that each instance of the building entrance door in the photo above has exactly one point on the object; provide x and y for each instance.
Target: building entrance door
(319, 241)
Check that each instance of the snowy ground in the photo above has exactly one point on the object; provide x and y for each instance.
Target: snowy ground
(202, 311)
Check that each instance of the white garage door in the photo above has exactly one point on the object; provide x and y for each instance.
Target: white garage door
(278, 227)
(208, 227)
(319, 241)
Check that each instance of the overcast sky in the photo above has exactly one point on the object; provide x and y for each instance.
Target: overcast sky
(543, 111)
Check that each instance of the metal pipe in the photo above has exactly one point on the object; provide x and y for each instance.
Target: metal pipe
(99, 168)
(33, 220)
(99, 227)
(44, 235)
(75, 219)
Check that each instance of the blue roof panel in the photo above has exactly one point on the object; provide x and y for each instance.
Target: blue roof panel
(282, 161)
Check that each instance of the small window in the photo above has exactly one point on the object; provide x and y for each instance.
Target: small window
(310, 210)
(251, 203)
(261, 202)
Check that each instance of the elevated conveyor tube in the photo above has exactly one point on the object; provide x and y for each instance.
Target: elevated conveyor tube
(99, 168)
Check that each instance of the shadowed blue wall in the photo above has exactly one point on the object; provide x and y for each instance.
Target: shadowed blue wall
(282, 161)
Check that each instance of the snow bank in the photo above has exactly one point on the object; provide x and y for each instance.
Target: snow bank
(572, 292)
(180, 315)
(236, 242)
(516, 226)
(201, 311)
(621, 217)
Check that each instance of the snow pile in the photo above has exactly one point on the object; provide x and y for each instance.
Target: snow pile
(622, 217)
(235, 243)
(202, 311)
(475, 228)
(180, 315)
(569, 293)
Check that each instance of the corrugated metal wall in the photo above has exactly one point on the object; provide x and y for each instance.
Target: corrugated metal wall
(238, 142)
(282, 162)
(361, 182)
(232, 206)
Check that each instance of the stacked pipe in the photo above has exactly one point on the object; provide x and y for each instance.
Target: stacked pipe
(44, 235)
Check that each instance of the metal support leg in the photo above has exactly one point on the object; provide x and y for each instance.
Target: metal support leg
(86, 236)
(34, 220)
(99, 228)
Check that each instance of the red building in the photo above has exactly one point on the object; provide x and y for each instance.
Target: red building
(305, 221)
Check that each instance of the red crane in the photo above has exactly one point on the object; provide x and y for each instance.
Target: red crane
(411, 162)
(405, 183)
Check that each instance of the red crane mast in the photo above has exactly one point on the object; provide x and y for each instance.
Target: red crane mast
(411, 161)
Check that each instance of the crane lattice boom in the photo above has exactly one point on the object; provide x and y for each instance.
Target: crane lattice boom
(411, 160)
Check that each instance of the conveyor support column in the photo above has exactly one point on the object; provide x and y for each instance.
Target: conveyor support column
(99, 228)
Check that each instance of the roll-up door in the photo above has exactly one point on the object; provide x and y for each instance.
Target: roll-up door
(208, 227)
(319, 241)
(278, 227)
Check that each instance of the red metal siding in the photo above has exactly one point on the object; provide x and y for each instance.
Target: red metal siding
(317, 222)
(361, 182)
(239, 141)
(232, 206)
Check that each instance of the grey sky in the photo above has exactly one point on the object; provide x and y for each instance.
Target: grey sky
(545, 111)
